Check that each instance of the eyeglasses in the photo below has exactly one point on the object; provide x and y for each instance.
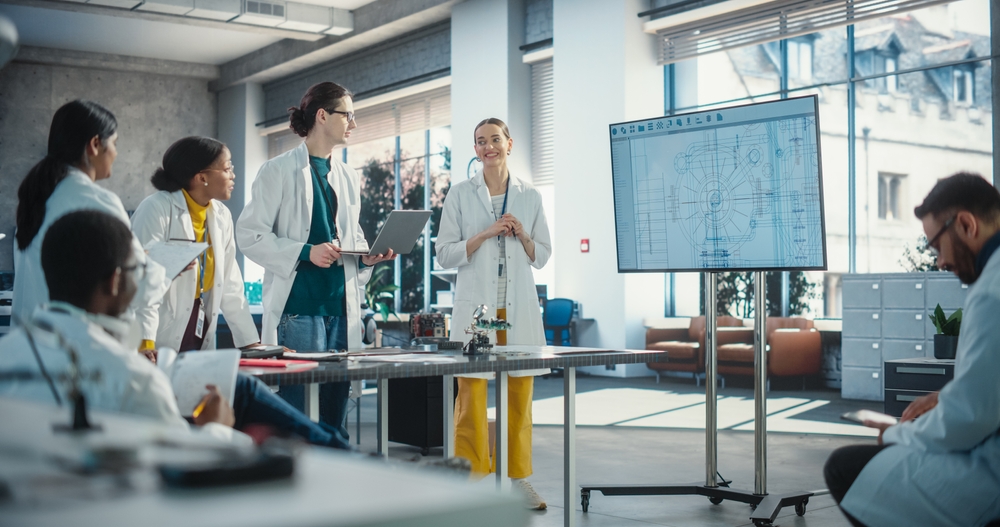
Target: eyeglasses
(350, 115)
(138, 270)
(931, 244)
(231, 169)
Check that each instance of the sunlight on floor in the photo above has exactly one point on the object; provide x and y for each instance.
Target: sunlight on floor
(665, 409)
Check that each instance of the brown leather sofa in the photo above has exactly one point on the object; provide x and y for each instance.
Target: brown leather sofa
(686, 347)
(794, 348)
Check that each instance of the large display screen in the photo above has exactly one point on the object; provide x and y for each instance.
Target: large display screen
(730, 189)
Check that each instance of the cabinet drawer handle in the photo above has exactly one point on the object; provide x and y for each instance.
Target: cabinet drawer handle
(874, 316)
(906, 398)
(918, 286)
(920, 317)
(919, 347)
(874, 286)
(874, 345)
(920, 371)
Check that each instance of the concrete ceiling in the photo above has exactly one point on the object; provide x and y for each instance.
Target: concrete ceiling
(104, 32)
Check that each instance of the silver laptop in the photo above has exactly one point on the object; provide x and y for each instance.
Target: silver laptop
(399, 233)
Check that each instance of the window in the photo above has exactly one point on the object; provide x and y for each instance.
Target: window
(962, 86)
(889, 196)
(800, 59)
(891, 82)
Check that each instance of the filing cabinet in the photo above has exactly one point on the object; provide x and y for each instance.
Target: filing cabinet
(908, 379)
(887, 317)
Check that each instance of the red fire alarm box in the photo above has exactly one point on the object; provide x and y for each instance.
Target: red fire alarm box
(585, 245)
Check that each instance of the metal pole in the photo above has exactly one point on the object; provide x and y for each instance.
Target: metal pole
(852, 213)
(760, 384)
(502, 423)
(569, 446)
(427, 227)
(784, 95)
(711, 373)
(397, 263)
(383, 416)
(448, 414)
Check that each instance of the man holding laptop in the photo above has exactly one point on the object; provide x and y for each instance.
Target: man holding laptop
(941, 464)
(301, 226)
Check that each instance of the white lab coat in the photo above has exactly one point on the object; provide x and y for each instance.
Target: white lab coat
(468, 210)
(77, 192)
(275, 226)
(944, 469)
(165, 215)
(128, 383)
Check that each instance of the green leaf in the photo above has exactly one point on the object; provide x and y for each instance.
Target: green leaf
(938, 318)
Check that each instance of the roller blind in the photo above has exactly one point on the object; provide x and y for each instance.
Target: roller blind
(542, 124)
(768, 22)
(421, 111)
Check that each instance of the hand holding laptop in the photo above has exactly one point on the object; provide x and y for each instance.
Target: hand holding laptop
(372, 260)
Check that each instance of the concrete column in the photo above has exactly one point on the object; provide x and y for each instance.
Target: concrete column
(599, 81)
(241, 107)
(489, 79)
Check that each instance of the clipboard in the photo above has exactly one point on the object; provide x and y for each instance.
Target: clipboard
(174, 255)
(399, 233)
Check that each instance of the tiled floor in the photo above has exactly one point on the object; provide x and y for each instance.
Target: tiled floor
(637, 431)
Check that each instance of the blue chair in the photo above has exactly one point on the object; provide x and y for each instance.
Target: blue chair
(558, 312)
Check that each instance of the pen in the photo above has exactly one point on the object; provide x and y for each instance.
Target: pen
(181, 240)
(199, 409)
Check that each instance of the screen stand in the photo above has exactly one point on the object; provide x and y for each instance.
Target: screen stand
(765, 506)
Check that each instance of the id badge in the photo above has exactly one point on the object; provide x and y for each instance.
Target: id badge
(199, 326)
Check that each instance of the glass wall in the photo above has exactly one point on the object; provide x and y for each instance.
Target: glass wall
(923, 110)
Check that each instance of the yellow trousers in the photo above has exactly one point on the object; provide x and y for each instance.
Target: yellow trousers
(472, 429)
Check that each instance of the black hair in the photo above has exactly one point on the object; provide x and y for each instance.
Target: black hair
(183, 160)
(100, 242)
(73, 126)
(962, 191)
(325, 95)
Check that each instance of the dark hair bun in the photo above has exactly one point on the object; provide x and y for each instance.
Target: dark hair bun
(297, 121)
(162, 181)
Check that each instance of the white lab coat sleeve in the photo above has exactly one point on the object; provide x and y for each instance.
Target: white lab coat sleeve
(968, 409)
(450, 247)
(255, 227)
(540, 234)
(234, 303)
(150, 395)
(150, 223)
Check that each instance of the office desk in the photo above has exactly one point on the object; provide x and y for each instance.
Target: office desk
(510, 358)
(329, 488)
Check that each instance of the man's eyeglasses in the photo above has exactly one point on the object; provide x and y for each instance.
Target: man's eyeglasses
(931, 245)
(350, 115)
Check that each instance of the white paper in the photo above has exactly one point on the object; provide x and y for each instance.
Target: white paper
(174, 256)
(405, 357)
(193, 370)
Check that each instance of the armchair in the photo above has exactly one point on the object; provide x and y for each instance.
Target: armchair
(686, 347)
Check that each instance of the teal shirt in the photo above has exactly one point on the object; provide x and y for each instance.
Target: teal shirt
(317, 291)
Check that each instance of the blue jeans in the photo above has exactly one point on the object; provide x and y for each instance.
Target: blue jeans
(309, 333)
(255, 403)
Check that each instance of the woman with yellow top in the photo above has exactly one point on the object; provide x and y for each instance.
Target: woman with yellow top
(196, 176)
(493, 230)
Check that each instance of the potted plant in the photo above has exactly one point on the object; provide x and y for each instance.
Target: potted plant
(379, 292)
(946, 339)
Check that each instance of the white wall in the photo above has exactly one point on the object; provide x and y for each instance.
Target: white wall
(240, 109)
(489, 79)
(599, 81)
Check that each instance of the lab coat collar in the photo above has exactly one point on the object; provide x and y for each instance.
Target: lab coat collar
(116, 327)
(515, 187)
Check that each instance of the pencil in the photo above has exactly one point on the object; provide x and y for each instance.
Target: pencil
(199, 409)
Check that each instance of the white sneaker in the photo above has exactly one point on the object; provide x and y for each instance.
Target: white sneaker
(533, 500)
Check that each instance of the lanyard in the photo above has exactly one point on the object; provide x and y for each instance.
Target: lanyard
(503, 210)
(202, 262)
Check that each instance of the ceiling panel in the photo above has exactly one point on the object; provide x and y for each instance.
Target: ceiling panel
(131, 36)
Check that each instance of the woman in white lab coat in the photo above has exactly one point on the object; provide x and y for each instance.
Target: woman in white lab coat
(81, 150)
(493, 230)
(194, 180)
(305, 205)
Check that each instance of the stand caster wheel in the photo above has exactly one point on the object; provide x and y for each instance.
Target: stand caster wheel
(762, 523)
(800, 508)
(585, 501)
(715, 501)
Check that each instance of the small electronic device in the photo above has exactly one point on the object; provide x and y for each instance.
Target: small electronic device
(864, 417)
(269, 464)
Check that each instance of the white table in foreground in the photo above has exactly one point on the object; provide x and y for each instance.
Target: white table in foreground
(328, 488)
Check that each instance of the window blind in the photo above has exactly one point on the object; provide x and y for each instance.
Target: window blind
(422, 111)
(542, 124)
(767, 22)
